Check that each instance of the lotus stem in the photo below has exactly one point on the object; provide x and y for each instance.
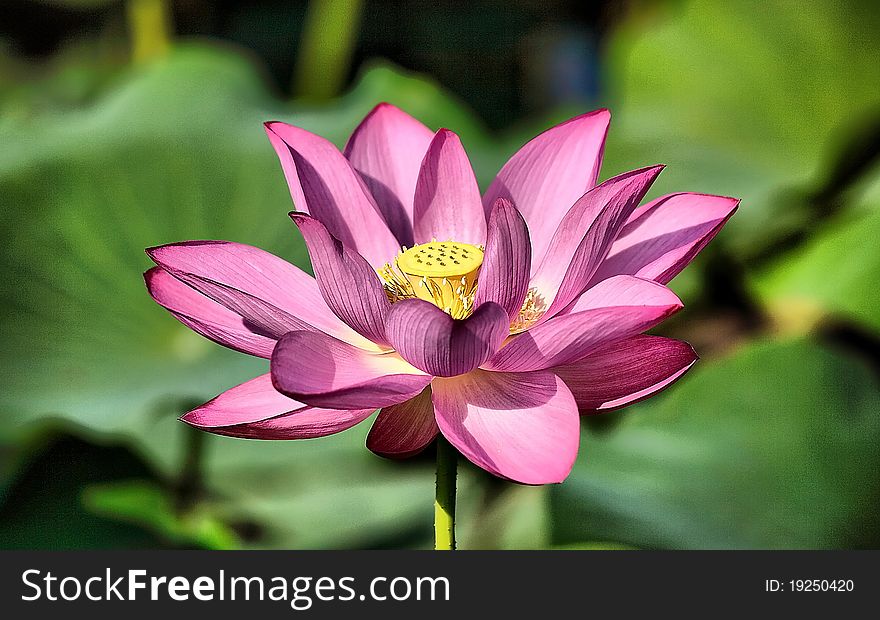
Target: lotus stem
(444, 499)
(149, 23)
(328, 40)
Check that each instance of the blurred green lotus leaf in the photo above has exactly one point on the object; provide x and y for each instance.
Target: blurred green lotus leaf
(40, 503)
(330, 493)
(834, 273)
(594, 546)
(503, 516)
(754, 108)
(74, 76)
(176, 150)
(146, 504)
(774, 447)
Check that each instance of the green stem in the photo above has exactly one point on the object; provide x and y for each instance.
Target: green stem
(189, 481)
(328, 40)
(444, 499)
(149, 24)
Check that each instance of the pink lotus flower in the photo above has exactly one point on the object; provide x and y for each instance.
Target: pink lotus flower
(493, 320)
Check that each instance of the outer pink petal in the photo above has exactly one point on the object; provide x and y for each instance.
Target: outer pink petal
(520, 426)
(547, 175)
(323, 184)
(307, 423)
(257, 399)
(585, 235)
(626, 372)
(255, 410)
(433, 341)
(325, 372)
(662, 237)
(347, 282)
(205, 316)
(252, 401)
(269, 292)
(504, 277)
(404, 430)
(387, 149)
(613, 310)
(624, 292)
(447, 202)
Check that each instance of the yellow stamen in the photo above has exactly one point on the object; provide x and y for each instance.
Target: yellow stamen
(441, 272)
(533, 308)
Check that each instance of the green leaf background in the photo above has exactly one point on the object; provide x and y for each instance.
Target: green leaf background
(770, 442)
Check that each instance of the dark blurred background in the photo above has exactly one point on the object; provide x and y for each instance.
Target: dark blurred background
(529, 55)
(127, 124)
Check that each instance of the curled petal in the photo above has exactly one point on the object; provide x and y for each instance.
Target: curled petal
(325, 372)
(205, 316)
(504, 277)
(433, 341)
(268, 292)
(625, 292)
(447, 202)
(547, 175)
(626, 372)
(252, 401)
(387, 149)
(585, 236)
(307, 423)
(348, 284)
(519, 426)
(255, 410)
(404, 430)
(613, 310)
(323, 184)
(662, 237)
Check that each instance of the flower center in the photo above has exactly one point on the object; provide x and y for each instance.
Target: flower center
(441, 272)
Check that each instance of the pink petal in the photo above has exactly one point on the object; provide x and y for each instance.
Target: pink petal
(205, 316)
(387, 149)
(252, 401)
(307, 423)
(504, 277)
(325, 372)
(254, 410)
(585, 235)
(662, 237)
(323, 184)
(267, 291)
(447, 202)
(404, 430)
(519, 426)
(613, 310)
(626, 372)
(347, 282)
(547, 175)
(623, 292)
(433, 341)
